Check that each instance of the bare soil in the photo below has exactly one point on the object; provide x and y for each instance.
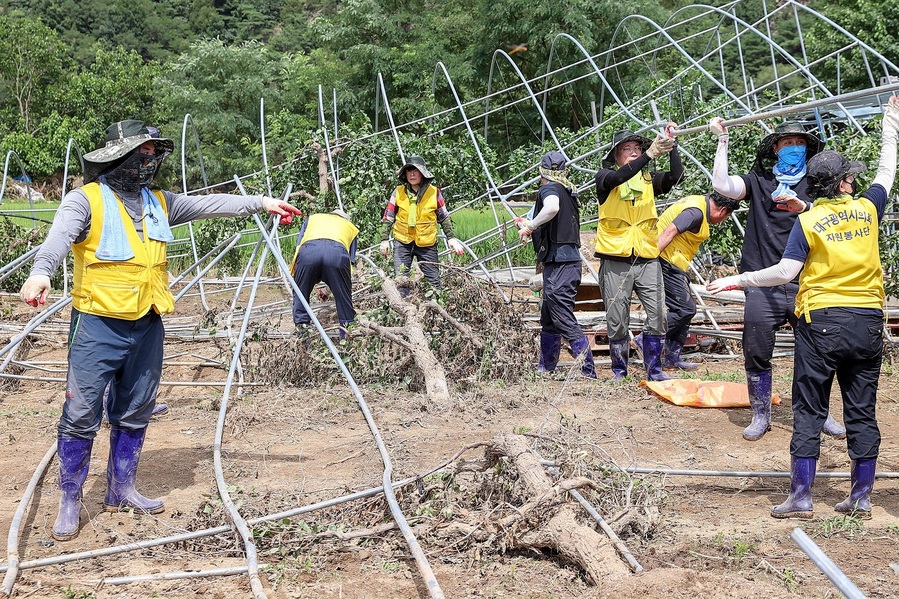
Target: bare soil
(287, 446)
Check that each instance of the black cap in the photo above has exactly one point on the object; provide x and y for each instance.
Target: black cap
(554, 161)
(828, 167)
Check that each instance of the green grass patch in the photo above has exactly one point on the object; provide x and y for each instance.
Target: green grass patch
(473, 224)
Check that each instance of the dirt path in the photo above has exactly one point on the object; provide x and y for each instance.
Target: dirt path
(289, 447)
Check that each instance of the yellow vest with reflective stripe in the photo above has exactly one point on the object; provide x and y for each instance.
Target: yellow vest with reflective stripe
(629, 228)
(125, 289)
(843, 264)
(424, 233)
(330, 226)
(684, 245)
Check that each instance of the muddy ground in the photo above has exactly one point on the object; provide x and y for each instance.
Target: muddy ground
(285, 447)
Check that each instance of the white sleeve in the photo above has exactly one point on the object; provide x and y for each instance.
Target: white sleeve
(779, 274)
(727, 185)
(886, 169)
(548, 212)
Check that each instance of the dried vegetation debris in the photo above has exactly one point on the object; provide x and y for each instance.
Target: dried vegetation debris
(495, 353)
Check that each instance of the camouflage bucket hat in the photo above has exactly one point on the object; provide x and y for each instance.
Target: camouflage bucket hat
(828, 167)
(125, 136)
(765, 152)
(416, 162)
(619, 138)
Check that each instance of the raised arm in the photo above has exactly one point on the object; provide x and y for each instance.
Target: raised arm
(729, 186)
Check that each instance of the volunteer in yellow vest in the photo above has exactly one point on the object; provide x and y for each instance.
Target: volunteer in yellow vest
(413, 212)
(326, 248)
(117, 226)
(840, 310)
(626, 243)
(682, 229)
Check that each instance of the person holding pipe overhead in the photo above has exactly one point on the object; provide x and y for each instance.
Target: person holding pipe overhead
(117, 226)
(834, 248)
(777, 190)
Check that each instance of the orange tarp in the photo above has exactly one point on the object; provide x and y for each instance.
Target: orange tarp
(703, 394)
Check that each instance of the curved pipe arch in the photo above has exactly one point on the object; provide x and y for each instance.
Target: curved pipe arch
(65, 171)
(189, 119)
(331, 166)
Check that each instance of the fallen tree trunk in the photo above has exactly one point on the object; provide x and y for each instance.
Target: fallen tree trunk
(576, 542)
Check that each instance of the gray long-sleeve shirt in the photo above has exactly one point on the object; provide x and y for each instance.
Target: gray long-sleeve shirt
(72, 222)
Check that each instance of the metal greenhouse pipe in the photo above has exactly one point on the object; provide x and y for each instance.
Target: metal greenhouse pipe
(826, 565)
(746, 474)
(792, 109)
(12, 539)
(171, 576)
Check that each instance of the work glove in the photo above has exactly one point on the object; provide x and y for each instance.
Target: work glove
(724, 284)
(35, 290)
(456, 246)
(385, 248)
(536, 282)
(525, 228)
(716, 126)
(283, 209)
(660, 146)
(891, 115)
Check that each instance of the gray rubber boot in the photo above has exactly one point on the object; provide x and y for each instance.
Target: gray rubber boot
(759, 385)
(859, 501)
(74, 460)
(619, 351)
(652, 357)
(799, 502)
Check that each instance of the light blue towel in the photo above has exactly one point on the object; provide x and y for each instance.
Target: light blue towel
(114, 244)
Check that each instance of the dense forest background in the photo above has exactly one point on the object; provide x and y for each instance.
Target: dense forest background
(68, 68)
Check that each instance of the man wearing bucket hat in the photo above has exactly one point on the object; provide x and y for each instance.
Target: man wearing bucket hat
(556, 232)
(326, 248)
(840, 317)
(777, 190)
(413, 212)
(626, 243)
(682, 229)
(117, 226)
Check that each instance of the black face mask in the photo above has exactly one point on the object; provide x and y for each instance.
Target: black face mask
(854, 186)
(136, 171)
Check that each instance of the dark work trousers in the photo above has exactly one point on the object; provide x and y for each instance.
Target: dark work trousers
(767, 309)
(850, 345)
(560, 283)
(127, 353)
(403, 253)
(678, 300)
(324, 260)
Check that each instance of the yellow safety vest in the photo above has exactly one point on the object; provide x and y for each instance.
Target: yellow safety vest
(125, 289)
(843, 264)
(424, 233)
(629, 228)
(326, 226)
(684, 245)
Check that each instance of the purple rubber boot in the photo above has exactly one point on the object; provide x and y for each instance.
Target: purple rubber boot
(619, 351)
(74, 460)
(673, 349)
(859, 501)
(799, 502)
(550, 346)
(581, 347)
(759, 385)
(652, 357)
(834, 428)
(124, 454)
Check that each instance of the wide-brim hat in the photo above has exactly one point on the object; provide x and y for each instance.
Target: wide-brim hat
(416, 162)
(121, 139)
(622, 136)
(765, 153)
(829, 166)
